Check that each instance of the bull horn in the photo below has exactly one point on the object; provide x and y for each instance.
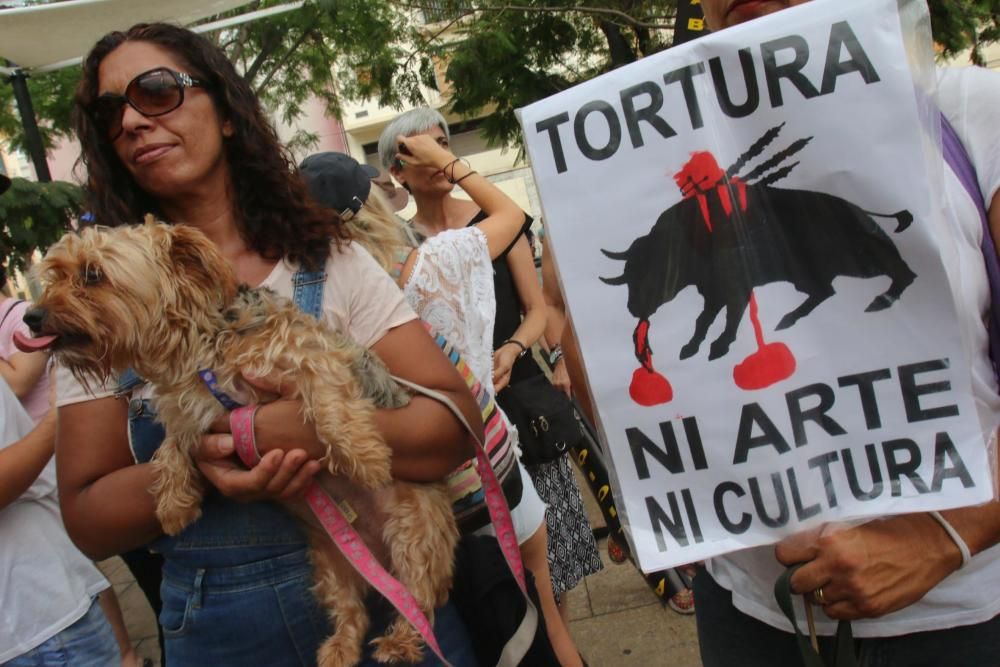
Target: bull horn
(615, 255)
(617, 280)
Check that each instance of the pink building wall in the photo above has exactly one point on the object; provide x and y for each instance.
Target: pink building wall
(61, 160)
(331, 133)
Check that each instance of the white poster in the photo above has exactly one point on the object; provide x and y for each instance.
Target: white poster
(745, 228)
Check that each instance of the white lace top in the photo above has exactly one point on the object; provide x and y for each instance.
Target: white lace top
(451, 287)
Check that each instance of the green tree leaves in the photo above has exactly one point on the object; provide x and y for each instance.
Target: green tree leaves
(34, 216)
(960, 24)
(486, 56)
(52, 97)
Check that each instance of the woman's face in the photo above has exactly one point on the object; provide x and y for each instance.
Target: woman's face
(721, 14)
(178, 152)
(425, 180)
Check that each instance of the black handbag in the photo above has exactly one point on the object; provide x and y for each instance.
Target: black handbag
(545, 419)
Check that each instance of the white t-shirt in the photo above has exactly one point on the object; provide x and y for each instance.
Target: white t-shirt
(359, 299)
(46, 584)
(969, 98)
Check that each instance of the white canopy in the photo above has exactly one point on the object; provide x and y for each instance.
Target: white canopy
(40, 36)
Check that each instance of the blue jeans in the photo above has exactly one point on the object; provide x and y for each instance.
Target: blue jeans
(264, 613)
(728, 637)
(89, 642)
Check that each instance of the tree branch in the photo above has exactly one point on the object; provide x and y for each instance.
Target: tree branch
(284, 59)
(625, 19)
(431, 38)
(268, 45)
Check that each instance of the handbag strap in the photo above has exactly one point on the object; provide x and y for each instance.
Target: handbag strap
(844, 656)
(961, 164)
(11, 308)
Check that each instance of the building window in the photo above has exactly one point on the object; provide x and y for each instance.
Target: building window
(438, 11)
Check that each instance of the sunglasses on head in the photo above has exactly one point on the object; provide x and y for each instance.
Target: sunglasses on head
(154, 93)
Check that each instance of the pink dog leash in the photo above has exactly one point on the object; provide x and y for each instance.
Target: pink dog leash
(520, 643)
(343, 534)
(496, 503)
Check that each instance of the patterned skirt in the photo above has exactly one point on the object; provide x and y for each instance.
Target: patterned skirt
(573, 551)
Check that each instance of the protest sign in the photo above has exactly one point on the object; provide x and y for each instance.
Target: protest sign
(746, 228)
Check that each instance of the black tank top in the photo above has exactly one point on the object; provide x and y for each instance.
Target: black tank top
(509, 307)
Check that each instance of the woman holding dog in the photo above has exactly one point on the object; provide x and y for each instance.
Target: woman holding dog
(168, 126)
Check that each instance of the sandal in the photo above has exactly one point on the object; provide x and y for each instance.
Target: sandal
(616, 553)
(682, 602)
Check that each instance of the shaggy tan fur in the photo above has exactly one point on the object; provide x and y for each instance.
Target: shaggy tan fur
(162, 300)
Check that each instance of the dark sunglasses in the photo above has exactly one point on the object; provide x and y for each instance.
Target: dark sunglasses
(154, 93)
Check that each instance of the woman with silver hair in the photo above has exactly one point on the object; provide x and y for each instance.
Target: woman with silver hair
(519, 322)
(413, 122)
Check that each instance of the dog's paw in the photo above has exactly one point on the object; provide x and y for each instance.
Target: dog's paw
(335, 653)
(399, 647)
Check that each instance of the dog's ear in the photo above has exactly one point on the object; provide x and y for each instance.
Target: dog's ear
(195, 256)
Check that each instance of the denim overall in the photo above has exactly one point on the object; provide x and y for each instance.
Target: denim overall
(236, 583)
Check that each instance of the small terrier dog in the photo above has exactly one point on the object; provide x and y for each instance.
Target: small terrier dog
(162, 300)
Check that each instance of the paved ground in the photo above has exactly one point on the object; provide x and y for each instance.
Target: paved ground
(139, 619)
(614, 617)
(617, 620)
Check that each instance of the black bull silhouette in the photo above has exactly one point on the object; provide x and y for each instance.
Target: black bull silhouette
(780, 235)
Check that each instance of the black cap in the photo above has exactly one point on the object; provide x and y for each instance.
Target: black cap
(338, 181)
(4, 183)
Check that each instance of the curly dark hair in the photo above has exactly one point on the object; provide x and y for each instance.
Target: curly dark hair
(274, 212)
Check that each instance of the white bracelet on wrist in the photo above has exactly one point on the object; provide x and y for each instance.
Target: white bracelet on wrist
(955, 537)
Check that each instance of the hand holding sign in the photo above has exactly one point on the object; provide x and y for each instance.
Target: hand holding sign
(873, 569)
(705, 198)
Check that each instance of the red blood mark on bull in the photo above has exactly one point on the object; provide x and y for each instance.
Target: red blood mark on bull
(648, 387)
(770, 364)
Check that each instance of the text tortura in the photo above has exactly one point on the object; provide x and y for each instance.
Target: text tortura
(642, 104)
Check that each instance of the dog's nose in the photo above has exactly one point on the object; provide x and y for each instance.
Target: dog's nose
(35, 318)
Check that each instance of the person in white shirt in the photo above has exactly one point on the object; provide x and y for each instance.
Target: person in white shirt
(901, 580)
(48, 589)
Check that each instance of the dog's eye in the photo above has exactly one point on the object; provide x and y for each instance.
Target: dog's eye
(92, 276)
